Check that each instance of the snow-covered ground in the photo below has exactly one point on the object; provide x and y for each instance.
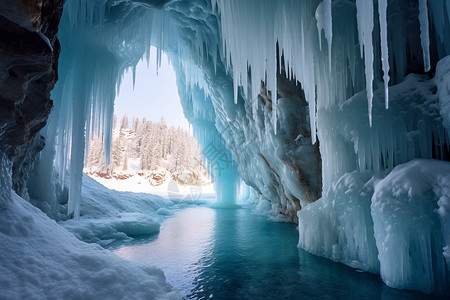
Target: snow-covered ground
(41, 260)
(44, 259)
(169, 189)
(115, 209)
(107, 215)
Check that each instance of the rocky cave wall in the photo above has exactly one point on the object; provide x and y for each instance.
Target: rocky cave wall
(29, 52)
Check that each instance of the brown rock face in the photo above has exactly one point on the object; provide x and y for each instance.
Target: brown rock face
(29, 52)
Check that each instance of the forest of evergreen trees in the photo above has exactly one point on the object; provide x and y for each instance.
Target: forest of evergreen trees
(144, 146)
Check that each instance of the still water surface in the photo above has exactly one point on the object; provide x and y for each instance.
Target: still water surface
(210, 253)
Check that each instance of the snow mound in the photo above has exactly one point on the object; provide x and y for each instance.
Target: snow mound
(41, 260)
(109, 215)
(411, 216)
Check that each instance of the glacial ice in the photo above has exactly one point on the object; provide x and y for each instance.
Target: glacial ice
(396, 225)
(410, 214)
(442, 79)
(339, 226)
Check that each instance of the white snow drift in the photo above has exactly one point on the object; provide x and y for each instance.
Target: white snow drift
(41, 260)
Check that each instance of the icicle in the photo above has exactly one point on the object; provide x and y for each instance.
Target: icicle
(382, 10)
(235, 86)
(365, 27)
(273, 86)
(325, 23)
(274, 111)
(424, 35)
(328, 27)
(134, 76)
(320, 25)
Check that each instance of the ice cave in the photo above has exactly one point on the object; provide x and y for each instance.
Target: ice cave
(324, 126)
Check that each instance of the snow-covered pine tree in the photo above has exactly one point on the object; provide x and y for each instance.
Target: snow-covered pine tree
(145, 146)
(124, 122)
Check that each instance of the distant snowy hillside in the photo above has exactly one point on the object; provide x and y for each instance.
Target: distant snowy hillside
(153, 152)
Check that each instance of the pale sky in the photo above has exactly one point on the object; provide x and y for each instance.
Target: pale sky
(153, 95)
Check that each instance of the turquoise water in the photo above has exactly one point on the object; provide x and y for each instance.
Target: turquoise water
(234, 254)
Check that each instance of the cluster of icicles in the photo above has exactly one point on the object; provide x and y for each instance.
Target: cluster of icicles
(284, 22)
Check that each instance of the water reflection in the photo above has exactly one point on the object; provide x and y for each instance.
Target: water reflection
(180, 249)
(233, 254)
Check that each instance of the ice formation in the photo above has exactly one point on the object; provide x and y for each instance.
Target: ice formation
(274, 105)
(424, 34)
(382, 12)
(410, 211)
(339, 226)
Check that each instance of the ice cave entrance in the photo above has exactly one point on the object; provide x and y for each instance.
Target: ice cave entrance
(153, 149)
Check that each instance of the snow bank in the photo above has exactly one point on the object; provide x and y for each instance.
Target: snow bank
(41, 260)
(108, 215)
(411, 216)
(168, 189)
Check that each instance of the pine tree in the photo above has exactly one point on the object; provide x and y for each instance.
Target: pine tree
(124, 122)
(135, 124)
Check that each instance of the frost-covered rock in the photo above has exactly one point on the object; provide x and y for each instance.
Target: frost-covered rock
(410, 210)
